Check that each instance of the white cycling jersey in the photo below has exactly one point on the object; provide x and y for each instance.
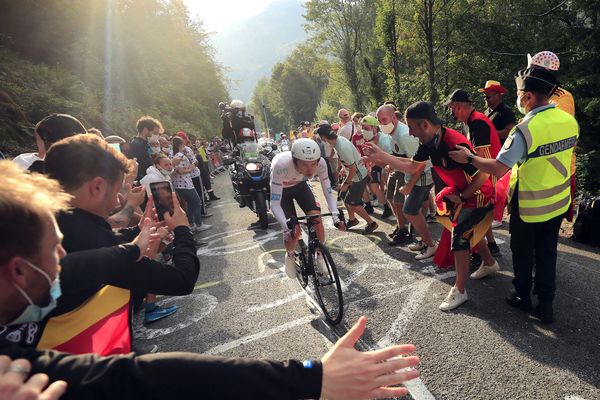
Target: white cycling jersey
(284, 175)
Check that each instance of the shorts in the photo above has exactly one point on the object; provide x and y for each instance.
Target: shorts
(303, 195)
(414, 201)
(353, 196)
(376, 174)
(462, 233)
(394, 183)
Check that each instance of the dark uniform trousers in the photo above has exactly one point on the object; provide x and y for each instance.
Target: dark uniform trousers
(534, 245)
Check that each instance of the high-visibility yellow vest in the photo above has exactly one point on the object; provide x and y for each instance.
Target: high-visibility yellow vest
(544, 178)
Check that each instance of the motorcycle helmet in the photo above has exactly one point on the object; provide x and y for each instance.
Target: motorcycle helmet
(305, 150)
(238, 104)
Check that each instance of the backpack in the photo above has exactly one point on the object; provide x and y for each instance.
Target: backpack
(587, 225)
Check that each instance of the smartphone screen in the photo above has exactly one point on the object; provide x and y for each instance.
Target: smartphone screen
(163, 198)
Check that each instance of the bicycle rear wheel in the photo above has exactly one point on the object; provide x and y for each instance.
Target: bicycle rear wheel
(327, 284)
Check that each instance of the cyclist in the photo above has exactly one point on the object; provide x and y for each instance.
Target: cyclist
(290, 172)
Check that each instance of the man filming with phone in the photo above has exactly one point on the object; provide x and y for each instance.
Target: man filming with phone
(94, 313)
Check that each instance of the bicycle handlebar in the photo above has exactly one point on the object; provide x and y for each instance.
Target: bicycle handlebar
(293, 221)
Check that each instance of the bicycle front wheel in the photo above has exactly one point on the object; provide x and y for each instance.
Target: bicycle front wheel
(327, 284)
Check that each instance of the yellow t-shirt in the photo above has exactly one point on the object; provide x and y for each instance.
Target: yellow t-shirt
(564, 101)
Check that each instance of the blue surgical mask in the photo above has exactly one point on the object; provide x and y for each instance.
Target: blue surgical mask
(33, 312)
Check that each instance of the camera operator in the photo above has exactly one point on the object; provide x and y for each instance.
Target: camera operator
(235, 120)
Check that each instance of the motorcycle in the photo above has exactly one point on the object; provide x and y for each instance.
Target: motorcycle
(250, 176)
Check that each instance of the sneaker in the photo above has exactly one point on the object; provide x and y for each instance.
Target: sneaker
(290, 265)
(418, 246)
(369, 208)
(387, 211)
(402, 237)
(394, 232)
(351, 223)
(159, 313)
(454, 299)
(370, 228)
(496, 224)
(427, 252)
(321, 266)
(494, 249)
(475, 262)
(202, 227)
(485, 270)
(430, 218)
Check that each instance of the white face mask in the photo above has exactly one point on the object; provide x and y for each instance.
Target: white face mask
(520, 107)
(387, 128)
(368, 135)
(165, 172)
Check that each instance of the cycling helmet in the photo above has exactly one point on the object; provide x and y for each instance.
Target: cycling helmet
(306, 150)
(237, 104)
(544, 59)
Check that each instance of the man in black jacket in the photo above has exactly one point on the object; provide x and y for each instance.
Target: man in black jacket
(99, 310)
(30, 253)
(149, 129)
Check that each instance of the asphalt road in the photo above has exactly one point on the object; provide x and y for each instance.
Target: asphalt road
(245, 306)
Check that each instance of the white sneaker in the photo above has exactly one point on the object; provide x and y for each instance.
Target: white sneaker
(418, 246)
(496, 224)
(454, 299)
(290, 265)
(427, 252)
(202, 227)
(485, 270)
(321, 266)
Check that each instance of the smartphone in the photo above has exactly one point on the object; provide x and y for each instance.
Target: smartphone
(163, 198)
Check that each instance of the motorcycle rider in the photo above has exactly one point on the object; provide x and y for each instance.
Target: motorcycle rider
(235, 120)
(290, 172)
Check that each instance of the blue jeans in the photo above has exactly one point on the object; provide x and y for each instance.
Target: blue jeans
(194, 205)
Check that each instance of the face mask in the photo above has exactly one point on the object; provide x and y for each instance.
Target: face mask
(368, 135)
(521, 107)
(165, 172)
(35, 313)
(387, 128)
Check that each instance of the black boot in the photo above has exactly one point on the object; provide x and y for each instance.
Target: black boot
(522, 303)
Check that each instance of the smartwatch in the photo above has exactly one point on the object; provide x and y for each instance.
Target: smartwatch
(470, 158)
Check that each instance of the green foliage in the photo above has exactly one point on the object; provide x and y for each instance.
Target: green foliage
(108, 62)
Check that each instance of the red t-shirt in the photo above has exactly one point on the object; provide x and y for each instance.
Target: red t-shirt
(358, 140)
(453, 174)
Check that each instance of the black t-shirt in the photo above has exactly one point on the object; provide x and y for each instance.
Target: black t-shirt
(501, 116)
(140, 150)
(479, 133)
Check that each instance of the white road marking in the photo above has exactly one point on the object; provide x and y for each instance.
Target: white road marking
(260, 335)
(276, 303)
(279, 275)
(211, 249)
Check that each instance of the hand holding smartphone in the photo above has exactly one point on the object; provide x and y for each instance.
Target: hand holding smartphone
(163, 198)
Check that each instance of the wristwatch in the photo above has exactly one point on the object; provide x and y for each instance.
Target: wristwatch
(470, 158)
(461, 197)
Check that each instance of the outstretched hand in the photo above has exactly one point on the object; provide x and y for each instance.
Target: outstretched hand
(460, 154)
(148, 239)
(351, 374)
(374, 154)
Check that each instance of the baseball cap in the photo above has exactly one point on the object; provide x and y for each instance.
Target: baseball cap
(423, 110)
(326, 131)
(459, 95)
(182, 135)
(55, 127)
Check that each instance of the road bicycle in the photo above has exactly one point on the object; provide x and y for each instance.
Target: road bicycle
(326, 282)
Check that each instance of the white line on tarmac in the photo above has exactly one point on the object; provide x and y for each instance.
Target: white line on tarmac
(264, 278)
(277, 303)
(260, 335)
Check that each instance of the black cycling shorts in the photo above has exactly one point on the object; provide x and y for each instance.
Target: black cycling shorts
(303, 195)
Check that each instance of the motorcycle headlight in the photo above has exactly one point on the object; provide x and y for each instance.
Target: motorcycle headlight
(253, 167)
